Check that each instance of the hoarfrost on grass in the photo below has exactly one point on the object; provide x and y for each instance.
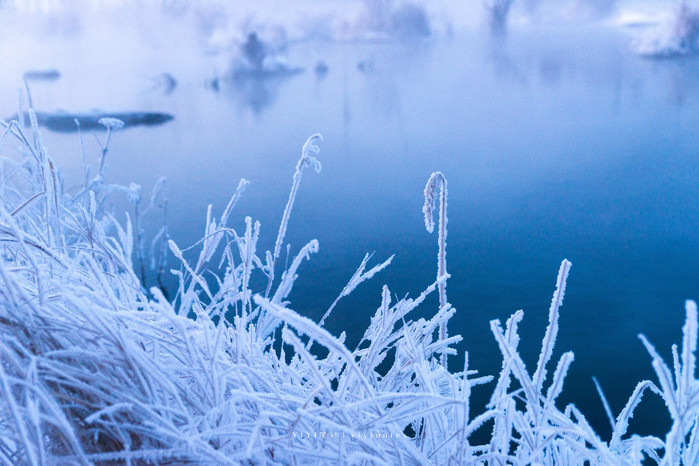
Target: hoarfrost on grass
(95, 368)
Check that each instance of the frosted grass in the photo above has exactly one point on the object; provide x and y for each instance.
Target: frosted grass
(438, 181)
(96, 369)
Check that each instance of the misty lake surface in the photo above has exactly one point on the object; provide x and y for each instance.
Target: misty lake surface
(556, 141)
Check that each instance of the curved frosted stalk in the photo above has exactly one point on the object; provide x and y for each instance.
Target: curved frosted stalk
(438, 181)
(306, 160)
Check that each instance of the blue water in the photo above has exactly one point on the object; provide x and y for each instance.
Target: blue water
(557, 142)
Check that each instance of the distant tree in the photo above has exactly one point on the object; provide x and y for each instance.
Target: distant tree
(254, 51)
(686, 28)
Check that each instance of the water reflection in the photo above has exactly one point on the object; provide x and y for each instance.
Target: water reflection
(551, 70)
(504, 65)
(256, 71)
(258, 93)
(498, 11)
(682, 81)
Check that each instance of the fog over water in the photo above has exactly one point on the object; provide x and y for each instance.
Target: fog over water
(557, 138)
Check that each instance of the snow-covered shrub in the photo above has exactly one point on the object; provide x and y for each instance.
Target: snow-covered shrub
(95, 369)
(675, 39)
(400, 19)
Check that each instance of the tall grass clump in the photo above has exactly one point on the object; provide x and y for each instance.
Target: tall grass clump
(96, 369)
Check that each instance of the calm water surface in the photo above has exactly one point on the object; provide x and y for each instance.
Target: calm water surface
(557, 142)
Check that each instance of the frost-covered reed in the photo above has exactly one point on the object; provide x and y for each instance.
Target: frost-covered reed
(438, 182)
(96, 369)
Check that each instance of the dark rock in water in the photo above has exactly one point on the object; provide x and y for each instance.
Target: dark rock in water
(66, 122)
(366, 66)
(215, 84)
(267, 72)
(640, 24)
(321, 69)
(168, 83)
(42, 75)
